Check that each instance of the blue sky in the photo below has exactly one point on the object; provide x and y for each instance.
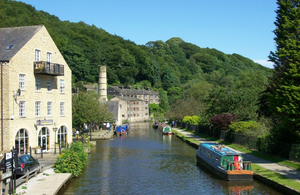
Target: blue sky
(244, 27)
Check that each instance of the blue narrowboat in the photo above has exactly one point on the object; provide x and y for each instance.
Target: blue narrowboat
(224, 162)
(121, 130)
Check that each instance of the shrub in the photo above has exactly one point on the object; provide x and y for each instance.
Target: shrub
(78, 148)
(68, 162)
(244, 127)
(194, 120)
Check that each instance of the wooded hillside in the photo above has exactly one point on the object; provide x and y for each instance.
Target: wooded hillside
(164, 64)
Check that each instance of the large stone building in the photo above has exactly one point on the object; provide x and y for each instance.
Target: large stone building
(36, 99)
(129, 108)
(148, 95)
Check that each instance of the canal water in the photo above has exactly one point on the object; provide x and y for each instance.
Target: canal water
(147, 162)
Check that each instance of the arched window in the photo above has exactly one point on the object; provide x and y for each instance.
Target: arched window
(21, 141)
(44, 139)
(62, 136)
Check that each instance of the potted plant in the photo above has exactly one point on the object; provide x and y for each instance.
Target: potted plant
(38, 149)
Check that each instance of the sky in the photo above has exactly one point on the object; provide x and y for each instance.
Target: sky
(244, 27)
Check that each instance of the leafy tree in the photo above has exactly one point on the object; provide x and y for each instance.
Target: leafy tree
(284, 87)
(86, 108)
(222, 121)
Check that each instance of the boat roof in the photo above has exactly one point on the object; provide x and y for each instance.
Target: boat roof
(220, 149)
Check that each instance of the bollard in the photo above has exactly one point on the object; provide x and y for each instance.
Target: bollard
(41, 152)
(59, 149)
(30, 152)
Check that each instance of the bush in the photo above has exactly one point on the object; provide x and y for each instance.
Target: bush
(244, 127)
(194, 120)
(71, 160)
(68, 162)
(78, 148)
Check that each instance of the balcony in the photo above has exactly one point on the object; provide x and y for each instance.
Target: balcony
(48, 68)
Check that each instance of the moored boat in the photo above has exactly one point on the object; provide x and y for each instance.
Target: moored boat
(155, 125)
(121, 131)
(165, 129)
(225, 163)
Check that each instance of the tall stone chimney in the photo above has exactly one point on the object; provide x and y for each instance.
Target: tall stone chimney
(102, 84)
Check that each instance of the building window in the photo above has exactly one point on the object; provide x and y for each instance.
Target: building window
(49, 108)
(22, 81)
(48, 57)
(37, 55)
(22, 108)
(151, 96)
(22, 142)
(123, 115)
(37, 84)
(62, 108)
(62, 86)
(62, 136)
(146, 108)
(151, 101)
(37, 108)
(49, 85)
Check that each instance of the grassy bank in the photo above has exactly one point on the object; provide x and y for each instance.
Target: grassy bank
(256, 168)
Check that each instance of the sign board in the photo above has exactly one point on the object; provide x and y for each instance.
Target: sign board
(8, 161)
(44, 122)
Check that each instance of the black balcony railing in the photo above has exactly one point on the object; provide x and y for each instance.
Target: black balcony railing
(42, 67)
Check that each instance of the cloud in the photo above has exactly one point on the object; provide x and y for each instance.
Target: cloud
(265, 63)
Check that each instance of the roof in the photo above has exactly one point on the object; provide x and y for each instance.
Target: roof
(127, 91)
(220, 149)
(129, 99)
(16, 38)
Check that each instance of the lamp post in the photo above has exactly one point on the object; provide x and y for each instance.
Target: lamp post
(55, 129)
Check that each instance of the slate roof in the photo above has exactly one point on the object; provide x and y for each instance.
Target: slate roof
(130, 99)
(17, 36)
(133, 91)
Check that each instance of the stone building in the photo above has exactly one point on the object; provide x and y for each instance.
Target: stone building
(129, 108)
(148, 95)
(36, 98)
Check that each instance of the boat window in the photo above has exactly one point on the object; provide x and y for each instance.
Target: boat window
(217, 158)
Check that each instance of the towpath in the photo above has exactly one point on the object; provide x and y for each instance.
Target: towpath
(288, 172)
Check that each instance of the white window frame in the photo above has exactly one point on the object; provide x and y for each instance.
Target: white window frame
(49, 84)
(37, 55)
(49, 108)
(38, 108)
(62, 108)
(48, 57)
(62, 85)
(22, 81)
(22, 109)
(37, 84)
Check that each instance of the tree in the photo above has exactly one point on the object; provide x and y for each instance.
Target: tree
(87, 109)
(284, 95)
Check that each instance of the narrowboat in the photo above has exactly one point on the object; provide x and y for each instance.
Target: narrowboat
(155, 125)
(225, 163)
(165, 129)
(121, 131)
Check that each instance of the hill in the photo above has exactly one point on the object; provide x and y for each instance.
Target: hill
(163, 64)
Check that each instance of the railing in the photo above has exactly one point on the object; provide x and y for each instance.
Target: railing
(5, 177)
(230, 165)
(42, 67)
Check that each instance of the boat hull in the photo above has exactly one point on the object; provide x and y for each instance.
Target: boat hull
(235, 175)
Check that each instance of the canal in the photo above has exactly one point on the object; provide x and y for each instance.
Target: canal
(146, 162)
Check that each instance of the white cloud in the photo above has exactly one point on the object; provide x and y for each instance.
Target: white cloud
(265, 63)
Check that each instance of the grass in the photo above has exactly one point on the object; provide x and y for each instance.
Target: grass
(256, 168)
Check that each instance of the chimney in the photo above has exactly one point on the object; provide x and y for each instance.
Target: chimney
(148, 88)
(102, 84)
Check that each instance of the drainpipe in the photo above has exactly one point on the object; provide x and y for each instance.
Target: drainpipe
(2, 63)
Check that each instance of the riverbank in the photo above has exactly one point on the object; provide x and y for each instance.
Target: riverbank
(284, 179)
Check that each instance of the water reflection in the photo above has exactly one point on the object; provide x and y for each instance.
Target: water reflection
(147, 162)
